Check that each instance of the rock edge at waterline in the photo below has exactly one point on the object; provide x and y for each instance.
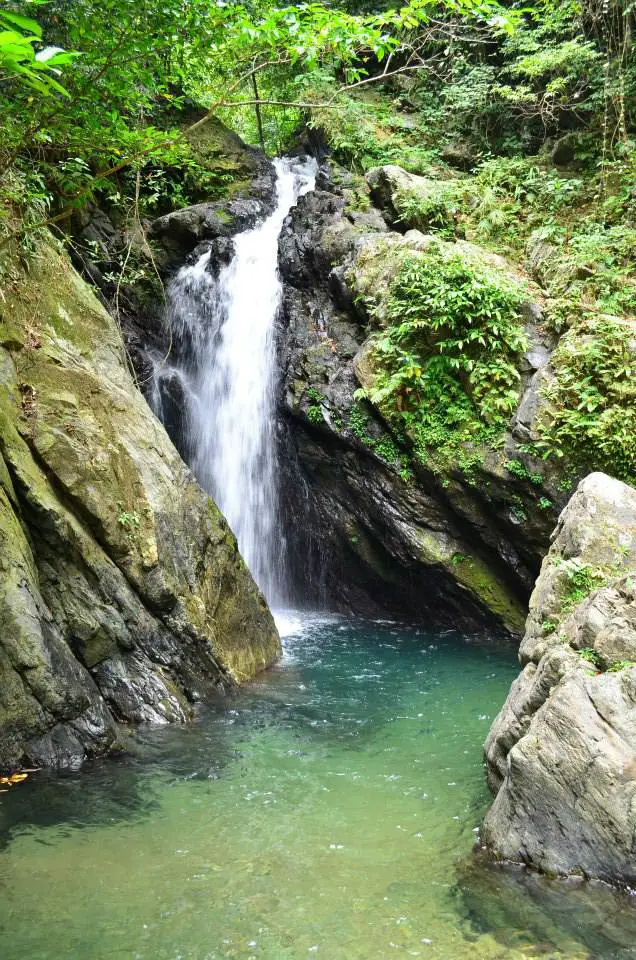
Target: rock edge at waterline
(561, 755)
(123, 596)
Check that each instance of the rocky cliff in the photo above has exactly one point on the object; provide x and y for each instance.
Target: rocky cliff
(122, 592)
(386, 526)
(561, 755)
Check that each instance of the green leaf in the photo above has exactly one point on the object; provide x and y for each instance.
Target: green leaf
(25, 23)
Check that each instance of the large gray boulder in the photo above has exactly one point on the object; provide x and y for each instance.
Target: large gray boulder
(561, 755)
(410, 202)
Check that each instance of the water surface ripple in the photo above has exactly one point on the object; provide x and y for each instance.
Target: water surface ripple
(327, 810)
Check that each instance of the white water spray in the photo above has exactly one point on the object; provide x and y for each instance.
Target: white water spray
(231, 382)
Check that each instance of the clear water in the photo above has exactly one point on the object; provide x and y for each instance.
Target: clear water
(328, 810)
(229, 378)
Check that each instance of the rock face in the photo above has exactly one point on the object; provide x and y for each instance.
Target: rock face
(377, 531)
(561, 755)
(122, 592)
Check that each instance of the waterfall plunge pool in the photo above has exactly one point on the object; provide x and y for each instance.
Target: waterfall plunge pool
(326, 810)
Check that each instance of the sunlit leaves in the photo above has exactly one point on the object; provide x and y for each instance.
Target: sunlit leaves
(22, 61)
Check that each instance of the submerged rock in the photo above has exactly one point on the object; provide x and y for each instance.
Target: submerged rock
(122, 592)
(561, 755)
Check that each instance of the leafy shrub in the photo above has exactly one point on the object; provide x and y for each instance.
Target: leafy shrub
(436, 213)
(591, 412)
(446, 363)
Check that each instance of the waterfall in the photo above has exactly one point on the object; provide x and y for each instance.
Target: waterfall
(223, 322)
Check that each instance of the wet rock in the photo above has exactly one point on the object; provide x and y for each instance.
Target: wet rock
(221, 253)
(561, 755)
(180, 231)
(377, 534)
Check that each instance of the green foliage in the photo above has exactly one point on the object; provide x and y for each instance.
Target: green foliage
(518, 510)
(146, 70)
(590, 656)
(130, 521)
(446, 362)
(384, 446)
(591, 413)
(366, 129)
(435, 213)
(582, 579)
(519, 470)
(316, 403)
(619, 665)
(24, 58)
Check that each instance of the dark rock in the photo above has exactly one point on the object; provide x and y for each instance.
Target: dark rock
(221, 253)
(423, 545)
(563, 152)
(458, 155)
(180, 231)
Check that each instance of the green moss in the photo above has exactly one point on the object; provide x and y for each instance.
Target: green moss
(49, 299)
(494, 594)
(482, 583)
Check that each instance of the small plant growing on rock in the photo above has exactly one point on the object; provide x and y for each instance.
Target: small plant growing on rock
(591, 656)
(619, 665)
(518, 469)
(130, 521)
(583, 579)
(316, 402)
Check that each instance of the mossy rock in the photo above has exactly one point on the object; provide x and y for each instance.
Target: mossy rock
(130, 570)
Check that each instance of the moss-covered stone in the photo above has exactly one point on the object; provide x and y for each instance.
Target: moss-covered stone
(132, 575)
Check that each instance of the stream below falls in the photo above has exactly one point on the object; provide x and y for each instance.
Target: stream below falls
(327, 810)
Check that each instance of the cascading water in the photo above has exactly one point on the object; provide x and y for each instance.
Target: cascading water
(225, 326)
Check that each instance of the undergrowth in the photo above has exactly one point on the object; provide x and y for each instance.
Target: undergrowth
(446, 364)
(590, 416)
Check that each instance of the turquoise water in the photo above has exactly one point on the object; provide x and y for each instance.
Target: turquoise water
(328, 810)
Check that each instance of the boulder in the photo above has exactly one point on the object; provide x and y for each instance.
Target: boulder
(122, 593)
(411, 202)
(561, 755)
(458, 154)
(563, 152)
